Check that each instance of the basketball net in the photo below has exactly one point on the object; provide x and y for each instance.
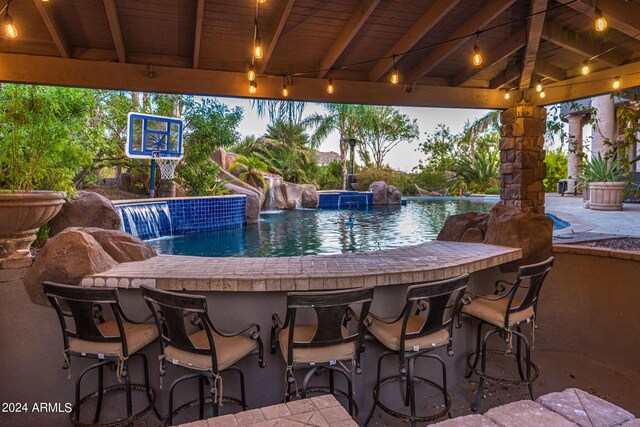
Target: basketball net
(167, 165)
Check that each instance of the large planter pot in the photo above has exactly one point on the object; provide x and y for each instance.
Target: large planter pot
(606, 196)
(20, 217)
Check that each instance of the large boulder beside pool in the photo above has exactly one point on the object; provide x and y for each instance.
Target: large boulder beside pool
(252, 212)
(87, 209)
(300, 195)
(465, 227)
(384, 194)
(121, 246)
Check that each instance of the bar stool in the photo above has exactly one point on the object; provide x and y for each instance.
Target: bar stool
(505, 314)
(326, 345)
(112, 342)
(424, 325)
(201, 348)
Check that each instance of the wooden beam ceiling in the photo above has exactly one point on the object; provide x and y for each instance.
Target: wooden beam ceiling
(492, 56)
(197, 34)
(582, 45)
(357, 20)
(549, 71)
(534, 32)
(282, 15)
(508, 75)
(623, 16)
(54, 29)
(116, 31)
(442, 52)
(431, 17)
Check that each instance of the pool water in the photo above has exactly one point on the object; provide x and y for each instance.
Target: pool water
(324, 231)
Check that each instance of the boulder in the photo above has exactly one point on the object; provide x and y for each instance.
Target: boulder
(223, 158)
(121, 246)
(511, 226)
(87, 209)
(254, 202)
(300, 195)
(456, 227)
(380, 192)
(393, 196)
(66, 258)
(310, 197)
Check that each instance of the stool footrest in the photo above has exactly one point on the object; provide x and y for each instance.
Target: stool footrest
(196, 402)
(118, 423)
(507, 381)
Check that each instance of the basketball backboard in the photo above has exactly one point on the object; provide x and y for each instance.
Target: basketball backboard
(150, 136)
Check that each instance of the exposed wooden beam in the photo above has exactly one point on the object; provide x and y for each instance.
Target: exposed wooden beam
(54, 29)
(113, 75)
(431, 17)
(276, 31)
(442, 52)
(582, 45)
(549, 71)
(623, 16)
(116, 31)
(508, 75)
(197, 35)
(596, 83)
(492, 56)
(535, 24)
(357, 20)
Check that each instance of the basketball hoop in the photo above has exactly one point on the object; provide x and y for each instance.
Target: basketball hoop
(167, 165)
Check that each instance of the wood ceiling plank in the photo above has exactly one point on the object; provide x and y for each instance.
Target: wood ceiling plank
(197, 36)
(623, 16)
(492, 56)
(116, 30)
(272, 40)
(510, 74)
(443, 51)
(53, 27)
(535, 24)
(583, 46)
(357, 20)
(427, 21)
(549, 71)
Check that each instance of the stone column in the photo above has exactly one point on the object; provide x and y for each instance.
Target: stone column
(604, 128)
(522, 167)
(575, 147)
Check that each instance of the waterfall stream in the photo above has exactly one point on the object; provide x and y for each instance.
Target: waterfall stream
(146, 221)
(271, 204)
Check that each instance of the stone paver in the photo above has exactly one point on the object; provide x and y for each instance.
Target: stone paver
(585, 409)
(526, 413)
(321, 411)
(412, 264)
(468, 421)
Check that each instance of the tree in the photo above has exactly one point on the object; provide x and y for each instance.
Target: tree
(280, 111)
(383, 128)
(441, 148)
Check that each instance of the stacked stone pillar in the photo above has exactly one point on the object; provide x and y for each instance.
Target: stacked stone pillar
(522, 167)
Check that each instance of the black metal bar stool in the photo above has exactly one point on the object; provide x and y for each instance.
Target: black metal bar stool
(112, 342)
(201, 347)
(326, 345)
(505, 314)
(424, 325)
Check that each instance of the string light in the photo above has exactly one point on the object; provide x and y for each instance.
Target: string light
(251, 74)
(477, 56)
(507, 95)
(285, 90)
(262, 1)
(257, 49)
(539, 87)
(542, 93)
(330, 87)
(600, 23)
(585, 68)
(253, 87)
(7, 21)
(395, 76)
(616, 83)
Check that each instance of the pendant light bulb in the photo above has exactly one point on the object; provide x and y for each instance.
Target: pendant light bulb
(542, 93)
(330, 87)
(9, 29)
(585, 68)
(257, 49)
(395, 76)
(539, 87)
(600, 23)
(616, 83)
(253, 87)
(251, 75)
(285, 89)
(262, 1)
(477, 55)
(507, 95)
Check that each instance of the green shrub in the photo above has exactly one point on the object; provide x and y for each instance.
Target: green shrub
(556, 163)
(430, 181)
(492, 190)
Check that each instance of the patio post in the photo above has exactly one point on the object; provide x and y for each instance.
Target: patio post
(522, 167)
(576, 122)
(604, 128)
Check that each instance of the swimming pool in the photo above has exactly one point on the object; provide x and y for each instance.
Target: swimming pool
(324, 231)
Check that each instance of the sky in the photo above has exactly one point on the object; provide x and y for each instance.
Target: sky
(402, 157)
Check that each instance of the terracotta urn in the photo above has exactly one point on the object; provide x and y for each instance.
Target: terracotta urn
(606, 196)
(21, 215)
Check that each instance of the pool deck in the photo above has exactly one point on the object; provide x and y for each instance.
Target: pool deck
(435, 260)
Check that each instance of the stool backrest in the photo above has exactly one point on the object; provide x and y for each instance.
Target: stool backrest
(85, 306)
(170, 311)
(441, 301)
(330, 308)
(534, 274)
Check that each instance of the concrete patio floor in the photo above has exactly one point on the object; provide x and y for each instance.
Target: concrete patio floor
(570, 208)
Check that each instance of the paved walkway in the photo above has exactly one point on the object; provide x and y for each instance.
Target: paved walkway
(570, 208)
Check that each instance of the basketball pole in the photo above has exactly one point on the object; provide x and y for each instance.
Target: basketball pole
(152, 179)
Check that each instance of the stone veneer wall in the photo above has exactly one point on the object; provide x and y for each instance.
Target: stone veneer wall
(522, 167)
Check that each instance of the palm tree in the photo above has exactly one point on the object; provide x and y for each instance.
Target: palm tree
(280, 111)
(249, 170)
(343, 118)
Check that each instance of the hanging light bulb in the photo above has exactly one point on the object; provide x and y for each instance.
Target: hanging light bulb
(253, 87)
(257, 48)
(285, 90)
(616, 83)
(539, 87)
(600, 23)
(507, 95)
(585, 68)
(7, 22)
(262, 1)
(395, 76)
(477, 55)
(330, 86)
(251, 74)
(542, 93)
